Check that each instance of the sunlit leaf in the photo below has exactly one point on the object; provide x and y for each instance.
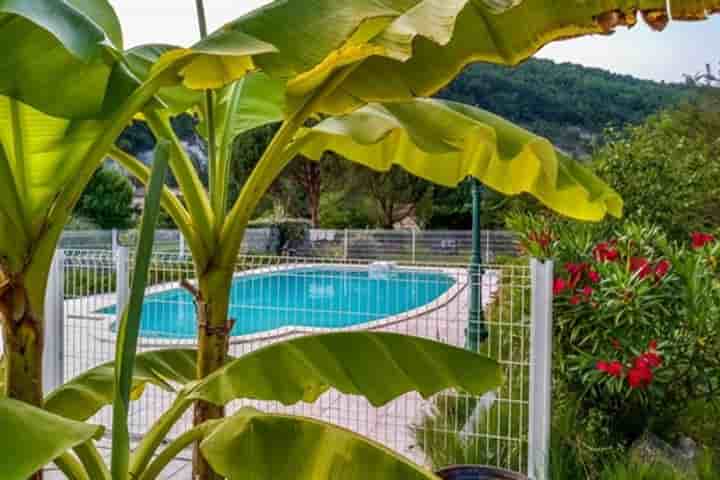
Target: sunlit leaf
(252, 444)
(400, 49)
(83, 396)
(445, 142)
(377, 365)
(31, 438)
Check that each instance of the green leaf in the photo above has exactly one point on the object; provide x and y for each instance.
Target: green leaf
(377, 365)
(176, 98)
(82, 397)
(399, 49)
(130, 321)
(58, 55)
(2, 376)
(251, 102)
(252, 444)
(444, 142)
(31, 438)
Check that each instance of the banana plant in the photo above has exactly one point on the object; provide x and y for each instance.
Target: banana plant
(250, 443)
(59, 91)
(338, 58)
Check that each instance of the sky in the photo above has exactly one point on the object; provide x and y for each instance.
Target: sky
(682, 48)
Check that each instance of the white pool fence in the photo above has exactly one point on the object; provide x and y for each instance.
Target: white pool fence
(508, 428)
(411, 246)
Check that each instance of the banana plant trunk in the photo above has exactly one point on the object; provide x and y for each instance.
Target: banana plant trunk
(23, 346)
(212, 302)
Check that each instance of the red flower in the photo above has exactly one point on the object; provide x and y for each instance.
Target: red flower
(575, 268)
(559, 286)
(604, 252)
(587, 291)
(662, 268)
(640, 377)
(614, 368)
(594, 276)
(652, 346)
(574, 300)
(699, 239)
(650, 359)
(641, 266)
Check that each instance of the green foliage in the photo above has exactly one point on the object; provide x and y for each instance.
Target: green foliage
(667, 169)
(570, 104)
(107, 200)
(627, 296)
(31, 437)
(285, 442)
(462, 428)
(339, 210)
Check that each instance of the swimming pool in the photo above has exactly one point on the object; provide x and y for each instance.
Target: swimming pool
(318, 298)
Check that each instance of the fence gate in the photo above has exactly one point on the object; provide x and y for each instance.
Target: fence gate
(275, 298)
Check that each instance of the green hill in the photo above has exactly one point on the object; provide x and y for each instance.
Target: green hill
(568, 103)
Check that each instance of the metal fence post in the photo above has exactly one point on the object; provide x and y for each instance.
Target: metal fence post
(122, 278)
(347, 241)
(114, 239)
(540, 370)
(53, 360)
(181, 244)
(414, 245)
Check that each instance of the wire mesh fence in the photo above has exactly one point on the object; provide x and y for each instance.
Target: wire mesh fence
(410, 246)
(277, 298)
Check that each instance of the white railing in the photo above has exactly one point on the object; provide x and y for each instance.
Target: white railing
(508, 428)
(406, 245)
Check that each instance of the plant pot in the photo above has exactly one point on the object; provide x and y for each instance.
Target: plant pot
(478, 472)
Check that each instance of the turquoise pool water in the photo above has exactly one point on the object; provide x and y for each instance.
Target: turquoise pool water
(308, 297)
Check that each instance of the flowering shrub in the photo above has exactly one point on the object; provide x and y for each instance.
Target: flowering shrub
(637, 320)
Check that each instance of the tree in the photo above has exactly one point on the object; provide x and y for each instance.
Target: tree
(396, 194)
(298, 189)
(107, 200)
(667, 169)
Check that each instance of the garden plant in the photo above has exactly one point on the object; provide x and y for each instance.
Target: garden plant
(636, 333)
(356, 67)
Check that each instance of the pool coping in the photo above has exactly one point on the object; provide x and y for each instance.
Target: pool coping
(105, 333)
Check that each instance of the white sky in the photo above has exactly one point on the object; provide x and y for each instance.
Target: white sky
(682, 48)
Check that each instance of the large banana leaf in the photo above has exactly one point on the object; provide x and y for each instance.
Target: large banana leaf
(39, 156)
(83, 396)
(398, 49)
(445, 142)
(57, 55)
(30, 438)
(377, 365)
(252, 444)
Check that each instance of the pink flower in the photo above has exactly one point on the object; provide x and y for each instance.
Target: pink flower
(575, 300)
(641, 266)
(699, 239)
(559, 286)
(594, 276)
(587, 291)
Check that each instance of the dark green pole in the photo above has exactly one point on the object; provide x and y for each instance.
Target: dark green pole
(476, 333)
